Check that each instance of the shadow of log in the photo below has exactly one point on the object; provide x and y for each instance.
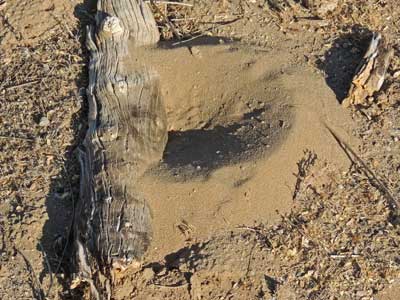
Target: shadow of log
(57, 235)
(341, 61)
(197, 41)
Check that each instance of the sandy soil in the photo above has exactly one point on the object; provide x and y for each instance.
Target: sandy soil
(254, 198)
(239, 121)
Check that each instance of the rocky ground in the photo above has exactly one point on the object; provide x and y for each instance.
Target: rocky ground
(341, 239)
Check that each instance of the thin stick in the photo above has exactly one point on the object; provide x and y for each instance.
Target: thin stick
(38, 291)
(303, 167)
(16, 138)
(170, 286)
(13, 87)
(347, 149)
(49, 267)
(188, 40)
(204, 33)
(256, 230)
(170, 2)
(340, 256)
(250, 258)
(183, 19)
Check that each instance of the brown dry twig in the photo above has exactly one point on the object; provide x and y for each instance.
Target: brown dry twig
(35, 284)
(16, 138)
(186, 229)
(169, 2)
(303, 167)
(21, 85)
(367, 170)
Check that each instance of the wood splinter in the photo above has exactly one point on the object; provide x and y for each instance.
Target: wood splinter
(127, 133)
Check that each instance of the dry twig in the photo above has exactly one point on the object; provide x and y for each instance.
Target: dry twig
(367, 170)
(36, 286)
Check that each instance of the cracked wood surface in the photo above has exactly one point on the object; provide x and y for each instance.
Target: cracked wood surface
(127, 133)
(371, 72)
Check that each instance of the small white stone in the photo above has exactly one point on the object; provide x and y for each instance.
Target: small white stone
(44, 122)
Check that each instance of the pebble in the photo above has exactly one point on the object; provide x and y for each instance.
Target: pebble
(44, 122)
(46, 68)
(148, 274)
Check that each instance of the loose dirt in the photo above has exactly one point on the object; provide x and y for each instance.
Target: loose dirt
(254, 198)
(239, 120)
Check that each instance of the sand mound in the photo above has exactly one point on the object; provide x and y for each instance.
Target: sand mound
(239, 121)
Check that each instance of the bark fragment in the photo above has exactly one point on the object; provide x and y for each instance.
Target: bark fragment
(371, 72)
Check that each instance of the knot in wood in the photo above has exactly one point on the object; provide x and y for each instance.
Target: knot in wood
(111, 25)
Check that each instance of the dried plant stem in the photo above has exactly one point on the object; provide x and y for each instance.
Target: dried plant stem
(170, 2)
(367, 170)
(35, 285)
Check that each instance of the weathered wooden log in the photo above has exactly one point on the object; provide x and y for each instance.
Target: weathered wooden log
(127, 133)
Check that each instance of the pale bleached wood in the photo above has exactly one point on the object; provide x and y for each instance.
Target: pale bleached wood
(370, 73)
(127, 133)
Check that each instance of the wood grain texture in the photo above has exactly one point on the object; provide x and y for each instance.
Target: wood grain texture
(371, 72)
(127, 133)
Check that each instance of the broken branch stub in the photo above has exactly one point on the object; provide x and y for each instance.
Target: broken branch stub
(370, 73)
(127, 133)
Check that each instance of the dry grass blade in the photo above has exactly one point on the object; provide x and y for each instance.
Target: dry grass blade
(16, 138)
(21, 85)
(169, 2)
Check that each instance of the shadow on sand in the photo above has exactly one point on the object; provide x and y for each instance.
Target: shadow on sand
(341, 61)
(196, 153)
(56, 241)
